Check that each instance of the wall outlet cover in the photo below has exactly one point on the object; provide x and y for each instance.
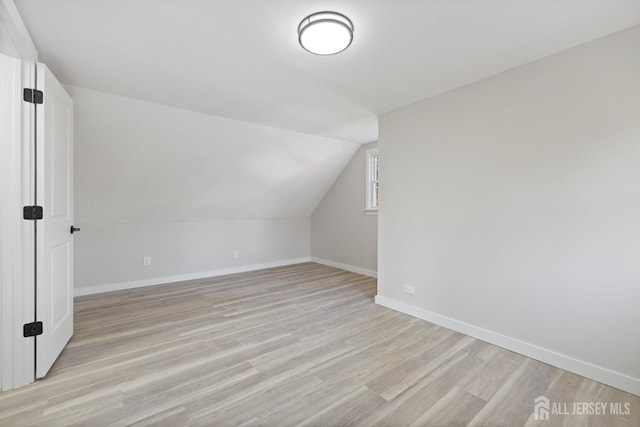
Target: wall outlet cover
(409, 289)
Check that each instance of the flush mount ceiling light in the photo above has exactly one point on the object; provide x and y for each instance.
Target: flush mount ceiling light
(325, 33)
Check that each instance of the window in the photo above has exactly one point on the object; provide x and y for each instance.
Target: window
(372, 183)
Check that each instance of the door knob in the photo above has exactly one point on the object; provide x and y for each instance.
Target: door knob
(73, 229)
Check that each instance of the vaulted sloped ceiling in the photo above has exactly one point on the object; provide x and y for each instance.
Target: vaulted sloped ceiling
(295, 117)
(240, 58)
(138, 161)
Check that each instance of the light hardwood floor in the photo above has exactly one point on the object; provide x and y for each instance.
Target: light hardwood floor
(298, 345)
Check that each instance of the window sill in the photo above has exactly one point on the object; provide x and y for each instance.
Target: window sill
(371, 212)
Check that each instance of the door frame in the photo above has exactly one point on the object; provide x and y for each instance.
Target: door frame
(17, 128)
(16, 234)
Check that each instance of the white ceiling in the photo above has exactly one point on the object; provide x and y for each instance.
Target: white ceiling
(240, 58)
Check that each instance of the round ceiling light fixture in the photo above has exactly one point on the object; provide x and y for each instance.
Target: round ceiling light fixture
(325, 33)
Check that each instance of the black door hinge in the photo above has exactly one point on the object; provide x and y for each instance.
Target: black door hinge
(32, 329)
(33, 96)
(32, 212)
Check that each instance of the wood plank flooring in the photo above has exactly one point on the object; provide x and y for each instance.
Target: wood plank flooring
(297, 345)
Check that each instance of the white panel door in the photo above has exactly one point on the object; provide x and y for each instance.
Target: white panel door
(54, 187)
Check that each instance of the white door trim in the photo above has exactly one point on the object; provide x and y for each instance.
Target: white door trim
(16, 234)
(17, 70)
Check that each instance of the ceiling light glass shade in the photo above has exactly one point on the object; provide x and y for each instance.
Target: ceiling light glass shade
(325, 33)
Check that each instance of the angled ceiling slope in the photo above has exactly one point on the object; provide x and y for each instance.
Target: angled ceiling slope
(240, 58)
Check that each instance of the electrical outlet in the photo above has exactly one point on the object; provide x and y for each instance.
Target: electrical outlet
(409, 289)
(236, 253)
(146, 261)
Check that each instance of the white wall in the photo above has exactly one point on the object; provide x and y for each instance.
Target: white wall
(188, 189)
(341, 234)
(111, 254)
(513, 207)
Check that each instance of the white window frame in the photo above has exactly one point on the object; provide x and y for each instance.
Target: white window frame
(372, 156)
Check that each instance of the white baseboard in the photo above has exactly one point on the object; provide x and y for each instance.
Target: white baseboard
(89, 290)
(580, 367)
(347, 267)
